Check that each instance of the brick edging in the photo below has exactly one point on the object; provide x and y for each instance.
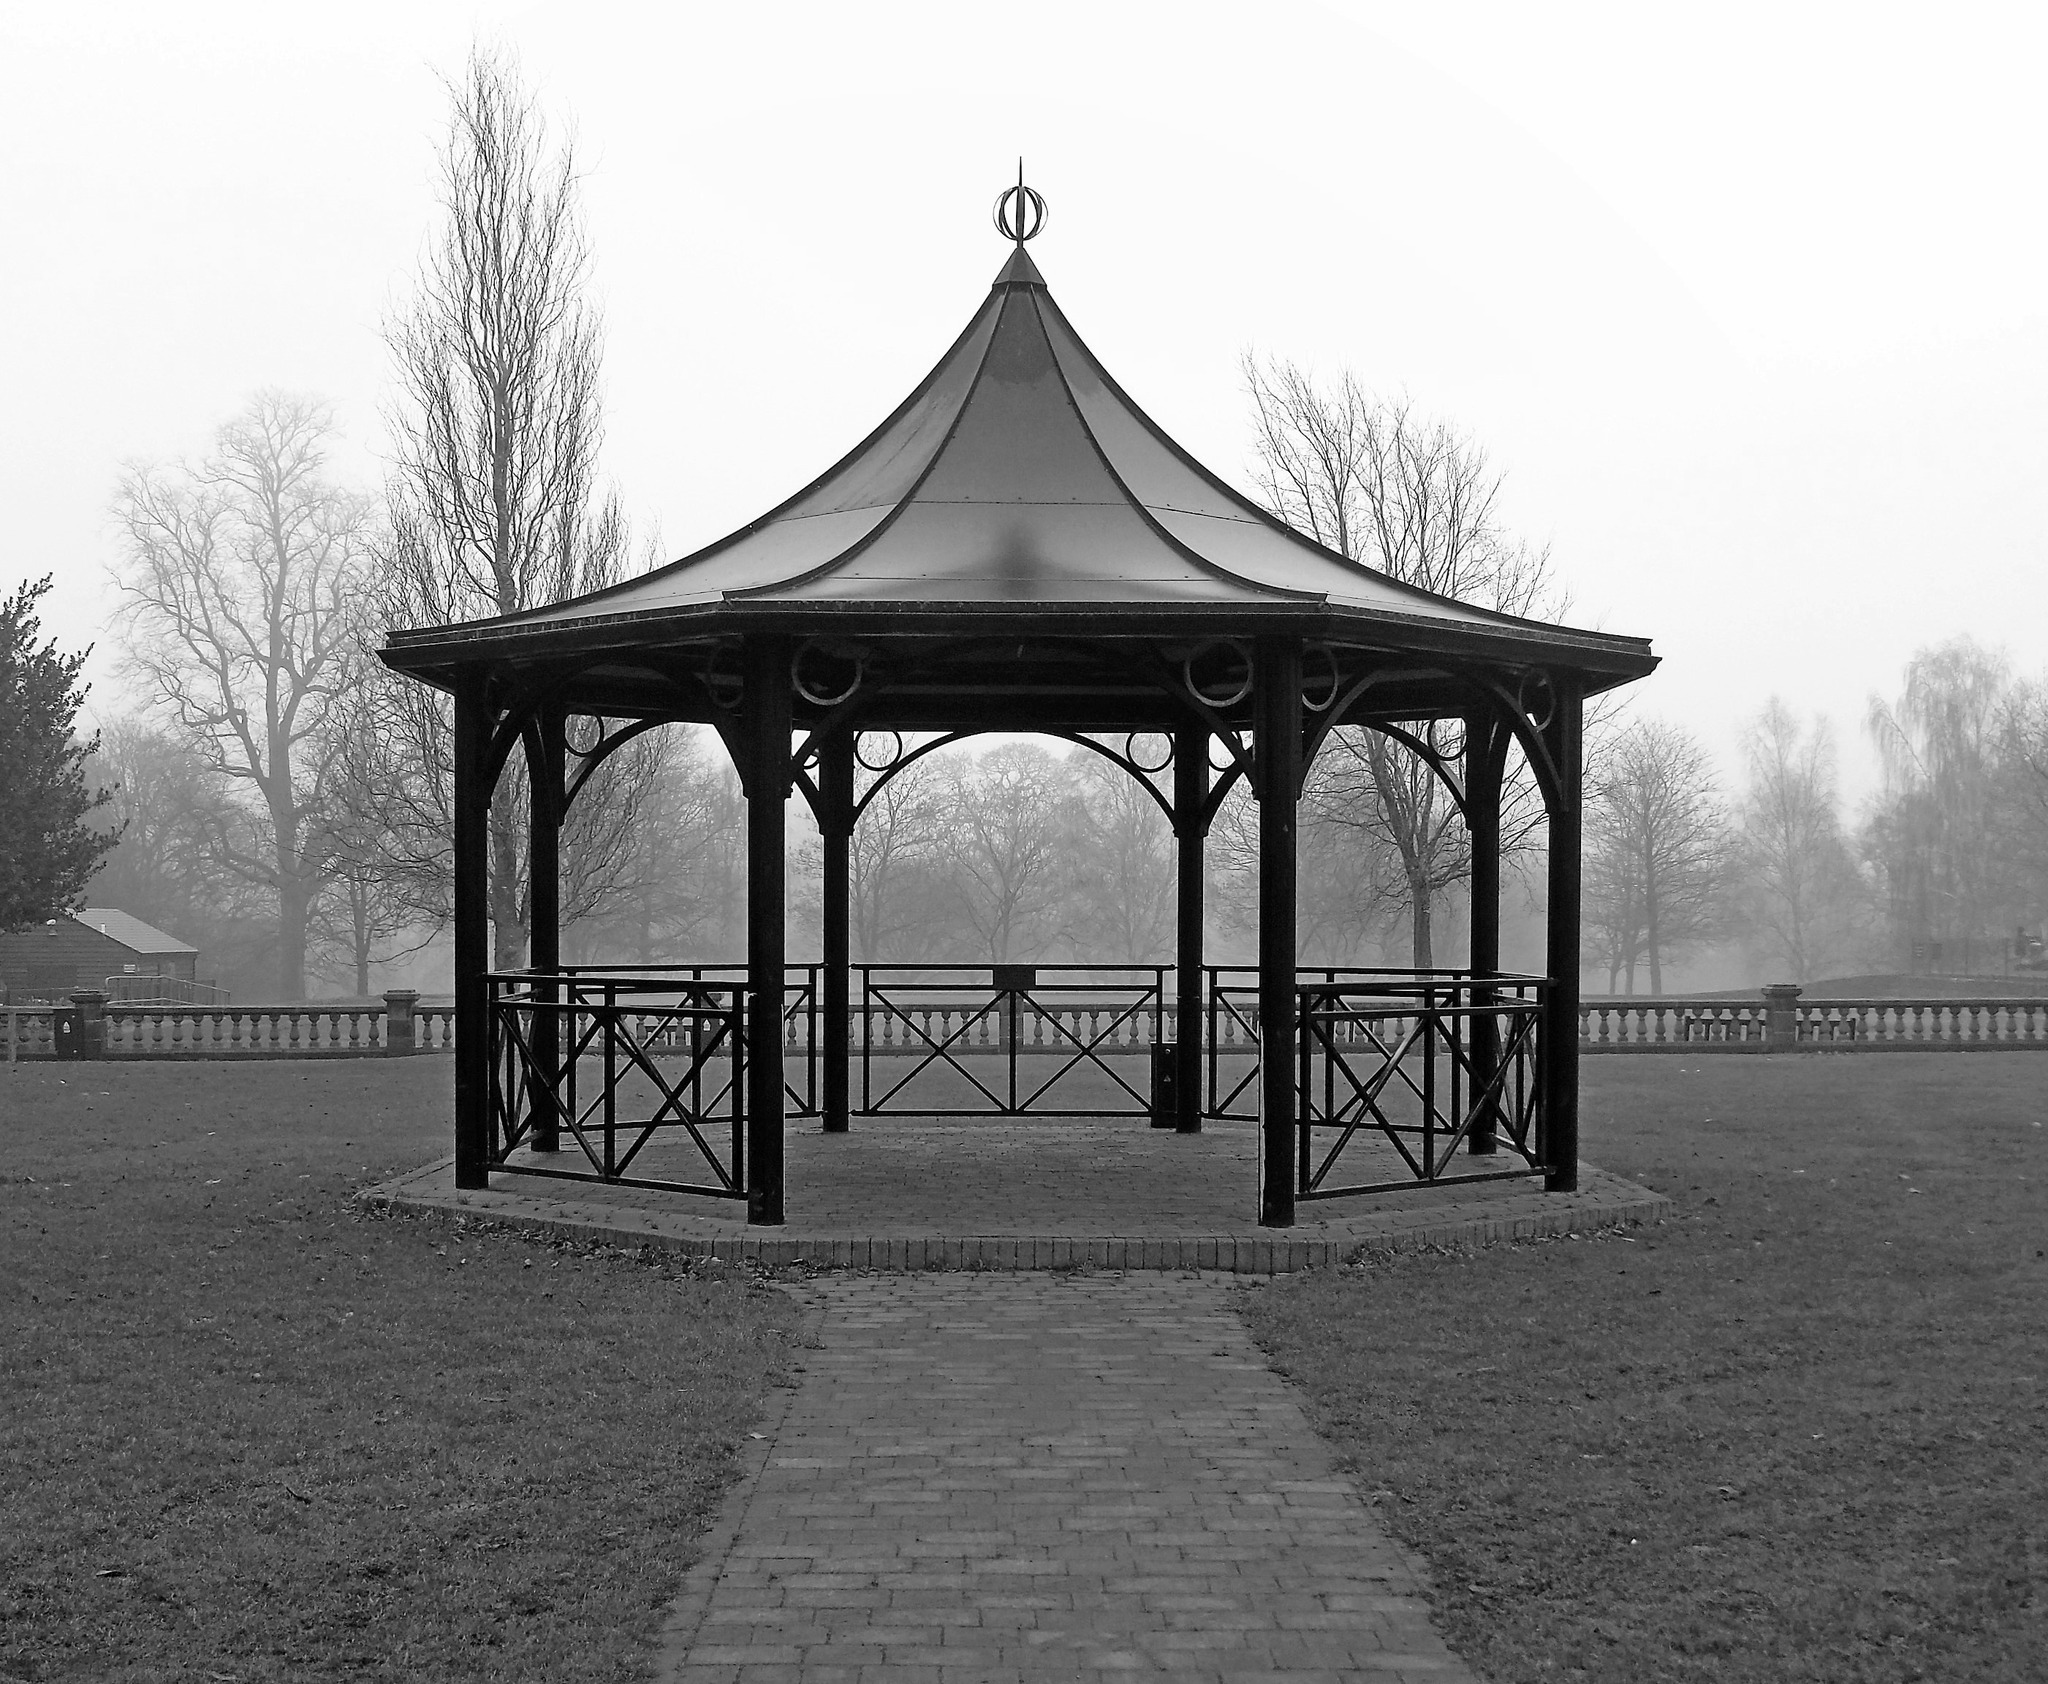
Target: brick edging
(1245, 1254)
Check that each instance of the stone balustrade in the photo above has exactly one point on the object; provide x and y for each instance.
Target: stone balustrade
(305, 1029)
(1780, 1020)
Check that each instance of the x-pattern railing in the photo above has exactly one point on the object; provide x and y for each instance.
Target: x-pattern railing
(1085, 1024)
(548, 1032)
(1460, 1052)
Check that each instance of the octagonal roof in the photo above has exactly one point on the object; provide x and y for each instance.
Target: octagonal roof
(1018, 478)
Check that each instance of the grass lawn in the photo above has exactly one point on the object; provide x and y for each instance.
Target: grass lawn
(248, 1434)
(1797, 1432)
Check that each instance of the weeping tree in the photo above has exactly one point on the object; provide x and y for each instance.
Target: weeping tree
(495, 504)
(1414, 499)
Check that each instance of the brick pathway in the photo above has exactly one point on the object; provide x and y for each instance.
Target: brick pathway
(1021, 1477)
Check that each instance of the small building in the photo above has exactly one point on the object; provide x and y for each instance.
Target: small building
(87, 950)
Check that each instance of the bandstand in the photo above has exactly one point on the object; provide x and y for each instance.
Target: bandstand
(1017, 548)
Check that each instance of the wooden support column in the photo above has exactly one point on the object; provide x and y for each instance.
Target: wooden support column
(764, 726)
(1277, 704)
(1190, 795)
(1565, 738)
(835, 785)
(544, 915)
(1484, 746)
(472, 932)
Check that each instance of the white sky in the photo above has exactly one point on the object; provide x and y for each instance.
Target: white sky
(1747, 300)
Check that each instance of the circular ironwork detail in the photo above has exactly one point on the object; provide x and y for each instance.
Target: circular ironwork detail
(1131, 740)
(1543, 709)
(811, 689)
(726, 688)
(868, 765)
(569, 741)
(1328, 657)
(1222, 695)
(1020, 212)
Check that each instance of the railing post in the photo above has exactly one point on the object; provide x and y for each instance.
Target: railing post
(1781, 1017)
(92, 1022)
(400, 1029)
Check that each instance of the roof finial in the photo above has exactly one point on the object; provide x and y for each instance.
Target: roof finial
(1020, 210)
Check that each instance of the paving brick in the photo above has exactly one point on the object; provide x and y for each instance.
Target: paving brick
(1019, 1477)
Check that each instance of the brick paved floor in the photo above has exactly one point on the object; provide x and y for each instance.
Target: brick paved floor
(1022, 1477)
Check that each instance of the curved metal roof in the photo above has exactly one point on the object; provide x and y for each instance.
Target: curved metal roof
(1017, 476)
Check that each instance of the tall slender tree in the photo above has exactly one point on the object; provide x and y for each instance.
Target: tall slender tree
(494, 496)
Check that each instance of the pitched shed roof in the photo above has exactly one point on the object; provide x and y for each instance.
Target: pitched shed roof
(130, 931)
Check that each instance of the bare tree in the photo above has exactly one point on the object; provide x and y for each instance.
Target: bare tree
(1657, 846)
(2023, 756)
(1009, 813)
(495, 505)
(165, 867)
(1800, 892)
(1934, 835)
(239, 594)
(684, 880)
(1375, 482)
(1125, 898)
(896, 889)
(1347, 906)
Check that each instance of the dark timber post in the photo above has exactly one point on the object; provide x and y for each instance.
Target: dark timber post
(835, 785)
(1484, 746)
(1565, 738)
(1190, 795)
(544, 919)
(472, 932)
(1277, 702)
(765, 722)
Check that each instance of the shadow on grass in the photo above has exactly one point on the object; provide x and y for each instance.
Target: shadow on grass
(1794, 1433)
(250, 1434)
